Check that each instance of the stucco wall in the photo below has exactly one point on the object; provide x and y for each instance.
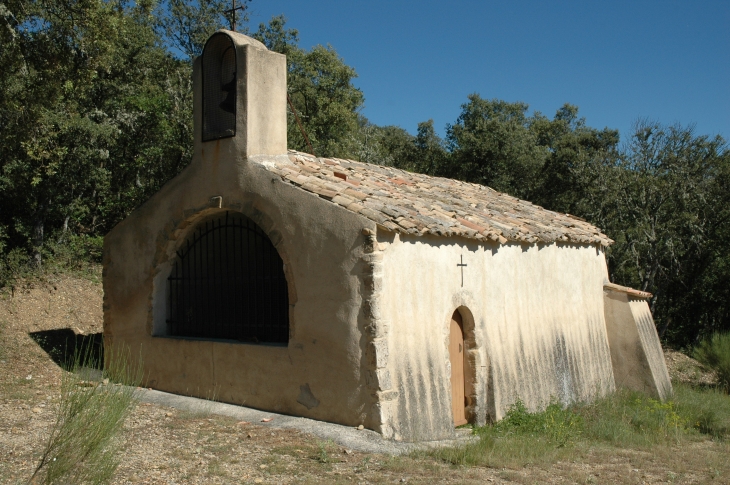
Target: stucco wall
(536, 318)
(636, 352)
(320, 246)
(319, 373)
(652, 347)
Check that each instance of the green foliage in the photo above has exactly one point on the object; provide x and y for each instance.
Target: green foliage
(95, 118)
(667, 211)
(322, 455)
(559, 425)
(14, 266)
(492, 144)
(623, 419)
(185, 25)
(77, 251)
(79, 254)
(320, 87)
(633, 419)
(714, 352)
(96, 115)
(520, 438)
(664, 197)
(706, 411)
(83, 446)
(381, 145)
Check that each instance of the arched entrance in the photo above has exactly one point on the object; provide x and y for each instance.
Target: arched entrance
(228, 282)
(458, 369)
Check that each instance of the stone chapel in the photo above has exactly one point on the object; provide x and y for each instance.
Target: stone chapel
(356, 293)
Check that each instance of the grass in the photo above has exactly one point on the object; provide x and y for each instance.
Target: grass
(322, 455)
(83, 445)
(714, 352)
(707, 411)
(624, 420)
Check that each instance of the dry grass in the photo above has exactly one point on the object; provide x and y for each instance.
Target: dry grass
(162, 445)
(83, 444)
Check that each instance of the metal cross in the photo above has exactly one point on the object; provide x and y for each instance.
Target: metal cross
(462, 265)
(232, 11)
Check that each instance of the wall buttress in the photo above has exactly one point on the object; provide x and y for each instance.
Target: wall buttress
(377, 375)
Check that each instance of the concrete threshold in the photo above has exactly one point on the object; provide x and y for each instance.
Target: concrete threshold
(350, 438)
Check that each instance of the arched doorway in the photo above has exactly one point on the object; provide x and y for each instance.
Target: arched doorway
(457, 358)
(228, 282)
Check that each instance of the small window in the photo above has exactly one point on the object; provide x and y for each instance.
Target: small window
(228, 283)
(219, 88)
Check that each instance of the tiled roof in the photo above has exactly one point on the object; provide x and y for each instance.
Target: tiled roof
(413, 203)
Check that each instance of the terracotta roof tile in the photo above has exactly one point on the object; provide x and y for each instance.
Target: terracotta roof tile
(412, 203)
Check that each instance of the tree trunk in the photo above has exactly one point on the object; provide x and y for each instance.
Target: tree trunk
(38, 239)
(665, 327)
(64, 230)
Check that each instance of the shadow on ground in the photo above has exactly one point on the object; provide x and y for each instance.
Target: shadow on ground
(69, 349)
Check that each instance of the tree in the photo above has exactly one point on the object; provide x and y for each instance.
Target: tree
(185, 25)
(573, 177)
(321, 90)
(491, 144)
(669, 220)
(381, 145)
(430, 154)
(85, 110)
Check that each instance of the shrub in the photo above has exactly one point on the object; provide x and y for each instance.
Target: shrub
(624, 419)
(628, 418)
(520, 438)
(78, 254)
(706, 410)
(714, 352)
(75, 251)
(14, 265)
(559, 425)
(83, 444)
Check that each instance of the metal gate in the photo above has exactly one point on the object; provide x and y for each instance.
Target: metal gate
(228, 283)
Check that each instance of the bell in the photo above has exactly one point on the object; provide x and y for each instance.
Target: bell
(229, 104)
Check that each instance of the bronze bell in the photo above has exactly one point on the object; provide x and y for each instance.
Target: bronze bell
(229, 104)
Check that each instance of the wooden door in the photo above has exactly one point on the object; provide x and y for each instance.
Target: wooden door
(456, 356)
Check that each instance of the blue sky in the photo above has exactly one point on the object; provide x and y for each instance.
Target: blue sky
(617, 61)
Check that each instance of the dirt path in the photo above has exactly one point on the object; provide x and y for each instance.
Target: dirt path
(166, 445)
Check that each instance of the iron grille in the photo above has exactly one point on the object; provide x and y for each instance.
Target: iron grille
(228, 283)
(219, 87)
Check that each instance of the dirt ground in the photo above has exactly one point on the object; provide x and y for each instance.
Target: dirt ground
(168, 446)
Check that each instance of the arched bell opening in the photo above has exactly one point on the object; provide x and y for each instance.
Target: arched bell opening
(228, 282)
(220, 75)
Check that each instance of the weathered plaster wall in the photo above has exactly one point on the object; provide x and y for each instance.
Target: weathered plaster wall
(536, 318)
(320, 246)
(319, 373)
(652, 347)
(636, 353)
